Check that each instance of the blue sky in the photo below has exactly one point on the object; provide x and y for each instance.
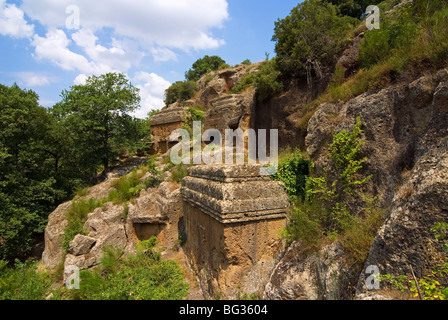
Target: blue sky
(152, 41)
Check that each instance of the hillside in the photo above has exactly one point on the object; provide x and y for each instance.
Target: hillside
(358, 207)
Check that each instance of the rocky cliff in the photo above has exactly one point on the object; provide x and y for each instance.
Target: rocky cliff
(405, 129)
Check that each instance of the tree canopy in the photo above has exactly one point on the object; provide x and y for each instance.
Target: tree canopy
(309, 39)
(98, 115)
(203, 66)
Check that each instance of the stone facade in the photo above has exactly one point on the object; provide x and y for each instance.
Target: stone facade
(163, 124)
(232, 220)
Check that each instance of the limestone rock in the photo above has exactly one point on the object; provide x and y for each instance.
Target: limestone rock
(54, 233)
(158, 213)
(232, 221)
(302, 276)
(81, 245)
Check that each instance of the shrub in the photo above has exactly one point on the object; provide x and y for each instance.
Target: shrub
(178, 173)
(244, 83)
(203, 66)
(266, 81)
(77, 217)
(180, 91)
(309, 39)
(140, 276)
(292, 171)
(395, 33)
(23, 282)
(326, 211)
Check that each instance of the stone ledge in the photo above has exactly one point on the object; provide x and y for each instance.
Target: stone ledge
(168, 116)
(234, 194)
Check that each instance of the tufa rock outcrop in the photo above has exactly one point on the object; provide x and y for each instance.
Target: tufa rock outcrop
(233, 216)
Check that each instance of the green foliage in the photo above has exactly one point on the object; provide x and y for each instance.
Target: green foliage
(178, 173)
(352, 8)
(143, 276)
(152, 182)
(196, 113)
(244, 83)
(325, 211)
(247, 61)
(23, 282)
(126, 188)
(292, 171)
(429, 285)
(309, 39)
(395, 34)
(77, 217)
(266, 81)
(180, 91)
(97, 115)
(203, 66)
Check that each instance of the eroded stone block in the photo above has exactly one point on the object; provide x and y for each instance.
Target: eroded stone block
(233, 217)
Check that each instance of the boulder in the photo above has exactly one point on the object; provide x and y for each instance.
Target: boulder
(299, 275)
(81, 245)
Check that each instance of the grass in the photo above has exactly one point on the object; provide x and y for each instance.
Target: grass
(23, 281)
(77, 217)
(410, 39)
(140, 276)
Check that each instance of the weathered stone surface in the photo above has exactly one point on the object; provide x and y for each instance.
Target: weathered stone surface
(54, 233)
(227, 246)
(302, 276)
(81, 245)
(231, 112)
(405, 133)
(156, 212)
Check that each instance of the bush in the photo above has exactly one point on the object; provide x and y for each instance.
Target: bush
(178, 173)
(23, 282)
(143, 276)
(244, 83)
(292, 171)
(309, 39)
(203, 66)
(77, 217)
(266, 81)
(180, 91)
(334, 207)
(395, 33)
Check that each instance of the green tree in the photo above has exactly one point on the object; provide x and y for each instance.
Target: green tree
(98, 116)
(352, 8)
(203, 66)
(309, 39)
(180, 91)
(29, 188)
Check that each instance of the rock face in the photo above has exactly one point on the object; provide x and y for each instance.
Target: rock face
(232, 221)
(163, 124)
(157, 212)
(405, 129)
(318, 276)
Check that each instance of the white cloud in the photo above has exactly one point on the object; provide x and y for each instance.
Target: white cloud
(54, 47)
(13, 23)
(152, 90)
(163, 54)
(175, 24)
(80, 79)
(122, 55)
(32, 79)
